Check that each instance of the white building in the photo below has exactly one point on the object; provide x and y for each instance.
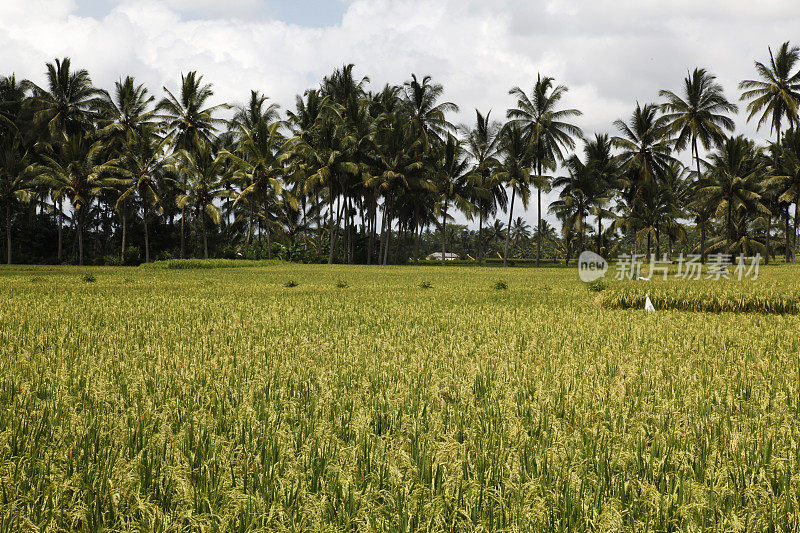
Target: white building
(437, 256)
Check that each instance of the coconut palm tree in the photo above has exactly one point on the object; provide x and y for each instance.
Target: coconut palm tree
(645, 149)
(734, 180)
(426, 114)
(700, 114)
(256, 111)
(144, 158)
(78, 173)
(259, 162)
(786, 178)
(187, 120)
(482, 144)
(452, 179)
(776, 95)
(66, 106)
(548, 132)
(126, 112)
(16, 180)
(579, 193)
(515, 170)
(207, 180)
(604, 171)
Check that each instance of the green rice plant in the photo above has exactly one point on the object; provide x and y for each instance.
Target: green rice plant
(705, 296)
(165, 399)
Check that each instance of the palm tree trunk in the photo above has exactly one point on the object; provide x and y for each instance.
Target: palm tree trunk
(183, 232)
(730, 232)
(788, 246)
(480, 238)
(60, 207)
(444, 231)
(331, 240)
(146, 233)
(124, 236)
(8, 231)
(417, 232)
(202, 218)
(79, 222)
(538, 215)
(250, 225)
(599, 234)
(508, 229)
(766, 238)
(794, 235)
(703, 223)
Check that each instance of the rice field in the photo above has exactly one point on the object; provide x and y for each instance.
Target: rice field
(316, 398)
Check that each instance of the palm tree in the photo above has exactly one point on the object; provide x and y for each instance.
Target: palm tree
(520, 231)
(579, 192)
(16, 180)
(254, 112)
(604, 171)
(77, 172)
(644, 146)
(187, 119)
(453, 183)
(259, 162)
(143, 160)
(65, 107)
(787, 179)
(427, 117)
(206, 182)
(547, 130)
(127, 111)
(700, 115)
(515, 170)
(777, 94)
(735, 172)
(482, 144)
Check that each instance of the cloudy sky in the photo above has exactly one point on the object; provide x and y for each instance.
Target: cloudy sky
(611, 53)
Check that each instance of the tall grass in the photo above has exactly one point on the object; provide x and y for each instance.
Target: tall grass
(186, 400)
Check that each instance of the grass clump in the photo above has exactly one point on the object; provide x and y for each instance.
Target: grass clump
(500, 285)
(598, 285)
(191, 264)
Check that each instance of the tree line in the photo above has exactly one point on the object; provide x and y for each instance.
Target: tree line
(353, 175)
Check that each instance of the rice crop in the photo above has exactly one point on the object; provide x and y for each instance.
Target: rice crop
(706, 296)
(219, 400)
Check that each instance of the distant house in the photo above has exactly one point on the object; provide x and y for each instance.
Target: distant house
(437, 256)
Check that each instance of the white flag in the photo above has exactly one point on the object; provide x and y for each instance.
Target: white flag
(648, 305)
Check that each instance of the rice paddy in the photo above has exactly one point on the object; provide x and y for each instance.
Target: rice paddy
(297, 398)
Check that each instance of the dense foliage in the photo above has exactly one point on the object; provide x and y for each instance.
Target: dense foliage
(355, 175)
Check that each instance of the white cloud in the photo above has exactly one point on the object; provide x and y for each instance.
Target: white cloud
(610, 53)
